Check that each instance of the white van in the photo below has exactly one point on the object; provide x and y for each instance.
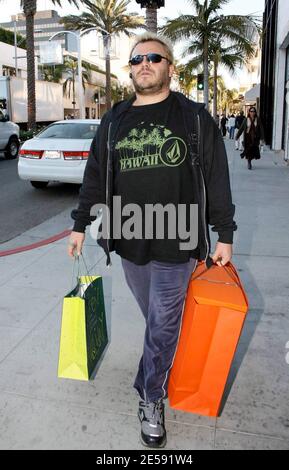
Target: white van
(9, 136)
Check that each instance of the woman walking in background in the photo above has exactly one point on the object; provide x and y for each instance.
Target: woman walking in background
(253, 134)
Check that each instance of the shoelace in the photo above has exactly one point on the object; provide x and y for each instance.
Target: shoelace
(157, 406)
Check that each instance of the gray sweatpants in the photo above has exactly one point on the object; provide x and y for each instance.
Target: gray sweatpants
(160, 290)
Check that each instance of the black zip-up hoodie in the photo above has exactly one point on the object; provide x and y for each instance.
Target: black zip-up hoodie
(210, 175)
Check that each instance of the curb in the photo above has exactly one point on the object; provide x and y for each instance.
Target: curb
(20, 249)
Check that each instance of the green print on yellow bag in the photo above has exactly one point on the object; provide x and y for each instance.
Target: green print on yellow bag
(83, 329)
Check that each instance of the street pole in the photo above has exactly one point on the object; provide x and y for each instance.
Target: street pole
(98, 103)
(15, 47)
(80, 93)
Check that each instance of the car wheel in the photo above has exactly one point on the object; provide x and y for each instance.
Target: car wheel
(39, 184)
(12, 149)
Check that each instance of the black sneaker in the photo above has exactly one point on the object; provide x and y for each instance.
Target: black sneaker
(152, 418)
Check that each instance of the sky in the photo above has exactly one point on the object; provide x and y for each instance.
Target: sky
(172, 9)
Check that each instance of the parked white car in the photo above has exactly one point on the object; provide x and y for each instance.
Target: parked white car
(58, 153)
(9, 136)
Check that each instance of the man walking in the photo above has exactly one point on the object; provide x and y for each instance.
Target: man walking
(231, 124)
(158, 148)
(224, 121)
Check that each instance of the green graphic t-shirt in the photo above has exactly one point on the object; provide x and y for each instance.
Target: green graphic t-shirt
(152, 165)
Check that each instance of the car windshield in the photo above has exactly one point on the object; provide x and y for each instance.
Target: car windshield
(69, 131)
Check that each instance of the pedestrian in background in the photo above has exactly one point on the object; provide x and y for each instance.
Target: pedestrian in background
(253, 134)
(228, 128)
(224, 125)
(231, 124)
(239, 121)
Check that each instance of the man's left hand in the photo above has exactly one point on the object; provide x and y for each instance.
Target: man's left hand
(223, 253)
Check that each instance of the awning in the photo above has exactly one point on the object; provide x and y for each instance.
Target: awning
(252, 95)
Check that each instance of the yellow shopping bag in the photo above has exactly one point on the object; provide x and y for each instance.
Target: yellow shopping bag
(83, 330)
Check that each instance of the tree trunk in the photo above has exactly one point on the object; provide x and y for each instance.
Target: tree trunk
(106, 44)
(215, 109)
(108, 84)
(29, 8)
(206, 72)
(152, 19)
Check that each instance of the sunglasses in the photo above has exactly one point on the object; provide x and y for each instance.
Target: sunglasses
(252, 111)
(152, 58)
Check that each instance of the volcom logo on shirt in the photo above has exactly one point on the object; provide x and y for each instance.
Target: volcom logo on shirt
(143, 148)
(173, 151)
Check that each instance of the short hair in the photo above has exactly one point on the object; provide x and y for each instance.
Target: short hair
(149, 36)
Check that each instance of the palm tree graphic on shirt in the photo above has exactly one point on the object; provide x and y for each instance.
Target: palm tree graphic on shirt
(143, 148)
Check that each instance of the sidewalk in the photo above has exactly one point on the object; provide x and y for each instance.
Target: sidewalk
(40, 411)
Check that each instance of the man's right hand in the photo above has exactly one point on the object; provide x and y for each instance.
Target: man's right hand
(75, 243)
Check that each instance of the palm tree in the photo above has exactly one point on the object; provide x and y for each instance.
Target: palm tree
(221, 89)
(70, 68)
(110, 17)
(229, 99)
(152, 19)
(29, 10)
(119, 92)
(205, 26)
(187, 80)
(231, 57)
(151, 7)
(52, 73)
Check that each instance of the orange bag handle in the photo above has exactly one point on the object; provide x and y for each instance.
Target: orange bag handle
(231, 271)
(234, 273)
(209, 263)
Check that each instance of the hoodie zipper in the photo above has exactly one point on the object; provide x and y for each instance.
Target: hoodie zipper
(107, 202)
(204, 192)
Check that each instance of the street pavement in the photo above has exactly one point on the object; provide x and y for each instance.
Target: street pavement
(40, 411)
(26, 203)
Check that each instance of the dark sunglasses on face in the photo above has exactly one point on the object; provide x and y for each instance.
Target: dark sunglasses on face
(252, 111)
(152, 58)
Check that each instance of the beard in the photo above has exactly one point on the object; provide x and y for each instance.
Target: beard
(151, 85)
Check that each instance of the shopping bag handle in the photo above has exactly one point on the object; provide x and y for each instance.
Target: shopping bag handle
(229, 268)
(209, 262)
(86, 268)
(77, 259)
(231, 271)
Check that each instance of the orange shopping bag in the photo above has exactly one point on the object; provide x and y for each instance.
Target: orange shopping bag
(214, 314)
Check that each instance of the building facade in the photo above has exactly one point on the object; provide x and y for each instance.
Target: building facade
(275, 76)
(8, 62)
(46, 23)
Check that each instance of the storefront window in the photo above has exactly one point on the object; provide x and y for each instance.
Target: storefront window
(8, 71)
